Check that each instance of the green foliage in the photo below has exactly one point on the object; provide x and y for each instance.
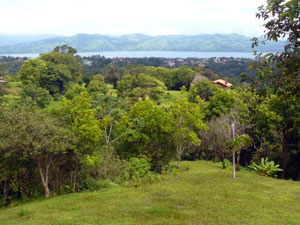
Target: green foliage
(205, 89)
(30, 141)
(173, 201)
(75, 90)
(97, 86)
(35, 95)
(265, 168)
(187, 120)
(79, 113)
(94, 185)
(32, 71)
(148, 129)
(241, 141)
(226, 164)
(52, 71)
(220, 103)
(138, 167)
(140, 86)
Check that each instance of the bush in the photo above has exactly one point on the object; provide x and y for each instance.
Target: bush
(94, 185)
(138, 168)
(225, 164)
(266, 168)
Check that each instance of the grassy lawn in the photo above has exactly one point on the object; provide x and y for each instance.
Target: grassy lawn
(170, 97)
(204, 194)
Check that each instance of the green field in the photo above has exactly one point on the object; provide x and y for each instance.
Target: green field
(203, 194)
(170, 97)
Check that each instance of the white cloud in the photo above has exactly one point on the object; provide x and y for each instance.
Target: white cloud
(156, 17)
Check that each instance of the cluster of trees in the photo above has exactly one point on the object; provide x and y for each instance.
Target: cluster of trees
(173, 79)
(96, 138)
(230, 68)
(12, 64)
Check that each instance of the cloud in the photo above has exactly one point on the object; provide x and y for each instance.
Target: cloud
(156, 17)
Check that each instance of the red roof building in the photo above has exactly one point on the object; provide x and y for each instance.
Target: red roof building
(223, 83)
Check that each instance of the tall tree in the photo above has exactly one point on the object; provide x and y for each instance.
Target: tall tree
(30, 134)
(188, 119)
(278, 73)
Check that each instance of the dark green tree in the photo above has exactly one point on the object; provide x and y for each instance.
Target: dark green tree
(278, 74)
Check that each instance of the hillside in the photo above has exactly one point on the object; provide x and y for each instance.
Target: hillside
(203, 194)
(13, 39)
(141, 42)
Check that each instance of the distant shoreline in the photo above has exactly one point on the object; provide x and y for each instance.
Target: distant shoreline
(156, 54)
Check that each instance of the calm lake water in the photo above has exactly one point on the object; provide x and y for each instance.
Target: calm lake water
(164, 54)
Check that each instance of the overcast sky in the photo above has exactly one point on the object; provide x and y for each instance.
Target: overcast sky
(116, 17)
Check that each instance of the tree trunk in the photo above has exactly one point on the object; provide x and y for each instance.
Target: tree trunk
(44, 178)
(222, 156)
(75, 177)
(284, 149)
(178, 157)
(238, 161)
(233, 165)
(179, 153)
(214, 155)
(233, 153)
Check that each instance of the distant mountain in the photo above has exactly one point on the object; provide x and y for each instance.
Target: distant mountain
(141, 42)
(13, 39)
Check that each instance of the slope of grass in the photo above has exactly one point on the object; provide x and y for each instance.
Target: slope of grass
(204, 194)
(170, 97)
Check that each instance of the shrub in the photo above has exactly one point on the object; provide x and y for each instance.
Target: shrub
(138, 168)
(93, 185)
(265, 168)
(225, 164)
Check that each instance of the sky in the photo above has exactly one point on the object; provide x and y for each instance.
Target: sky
(117, 17)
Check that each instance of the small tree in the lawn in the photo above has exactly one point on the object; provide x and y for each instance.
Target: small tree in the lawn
(188, 119)
(238, 143)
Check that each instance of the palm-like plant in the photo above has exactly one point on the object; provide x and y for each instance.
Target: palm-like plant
(239, 142)
(266, 167)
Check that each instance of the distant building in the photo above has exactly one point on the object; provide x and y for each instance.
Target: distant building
(223, 83)
(87, 62)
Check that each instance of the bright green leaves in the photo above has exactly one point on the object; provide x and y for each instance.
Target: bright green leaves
(241, 141)
(266, 167)
(52, 71)
(141, 86)
(150, 120)
(187, 120)
(32, 71)
(82, 117)
(220, 103)
(97, 86)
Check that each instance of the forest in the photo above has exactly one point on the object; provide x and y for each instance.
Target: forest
(66, 127)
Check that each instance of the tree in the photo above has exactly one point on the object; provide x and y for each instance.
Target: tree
(97, 86)
(238, 142)
(216, 137)
(140, 86)
(278, 73)
(65, 49)
(112, 74)
(30, 134)
(32, 71)
(148, 134)
(52, 71)
(220, 103)
(188, 119)
(80, 116)
(35, 95)
(204, 88)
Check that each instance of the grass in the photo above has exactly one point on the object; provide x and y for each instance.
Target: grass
(204, 194)
(170, 97)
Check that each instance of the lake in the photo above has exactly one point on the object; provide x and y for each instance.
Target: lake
(164, 54)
